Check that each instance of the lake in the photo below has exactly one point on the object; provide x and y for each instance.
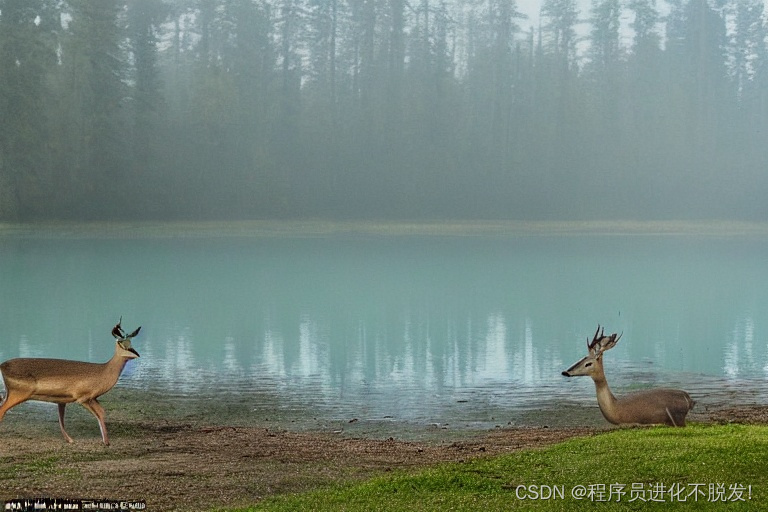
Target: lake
(465, 328)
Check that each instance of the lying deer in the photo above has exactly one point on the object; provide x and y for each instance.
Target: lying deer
(654, 406)
(62, 382)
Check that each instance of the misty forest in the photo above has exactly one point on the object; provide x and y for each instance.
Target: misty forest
(382, 109)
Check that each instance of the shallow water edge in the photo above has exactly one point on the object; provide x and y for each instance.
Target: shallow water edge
(717, 401)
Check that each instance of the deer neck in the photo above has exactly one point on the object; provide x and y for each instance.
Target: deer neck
(605, 398)
(114, 367)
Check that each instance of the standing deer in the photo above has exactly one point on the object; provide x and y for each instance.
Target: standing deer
(62, 381)
(654, 406)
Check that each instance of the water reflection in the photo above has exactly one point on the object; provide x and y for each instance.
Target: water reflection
(739, 358)
(402, 328)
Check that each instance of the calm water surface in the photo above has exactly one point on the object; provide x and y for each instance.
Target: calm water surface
(461, 330)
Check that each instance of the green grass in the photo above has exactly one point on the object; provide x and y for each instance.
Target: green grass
(734, 456)
(43, 466)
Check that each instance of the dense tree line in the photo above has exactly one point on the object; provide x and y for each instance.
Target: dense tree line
(382, 108)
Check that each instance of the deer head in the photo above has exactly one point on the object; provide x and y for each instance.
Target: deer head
(124, 342)
(592, 363)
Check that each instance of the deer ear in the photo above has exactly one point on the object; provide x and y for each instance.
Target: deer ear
(134, 333)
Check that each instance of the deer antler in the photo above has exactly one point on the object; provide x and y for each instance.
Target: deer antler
(117, 331)
(595, 339)
(600, 342)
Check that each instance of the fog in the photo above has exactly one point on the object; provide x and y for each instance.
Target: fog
(383, 109)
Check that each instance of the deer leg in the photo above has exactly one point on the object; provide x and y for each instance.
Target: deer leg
(61, 423)
(12, 399)
(97, 410)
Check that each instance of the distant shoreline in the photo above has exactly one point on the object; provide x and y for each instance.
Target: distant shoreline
(319, 227)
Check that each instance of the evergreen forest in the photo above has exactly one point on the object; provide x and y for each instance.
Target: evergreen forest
(383, 109)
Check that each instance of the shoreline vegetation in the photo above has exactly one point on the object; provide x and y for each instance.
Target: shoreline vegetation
(319, 227)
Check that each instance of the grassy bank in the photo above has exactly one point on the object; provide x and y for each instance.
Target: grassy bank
(708, 467)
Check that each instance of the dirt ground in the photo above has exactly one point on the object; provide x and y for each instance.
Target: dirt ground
(174, 465)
